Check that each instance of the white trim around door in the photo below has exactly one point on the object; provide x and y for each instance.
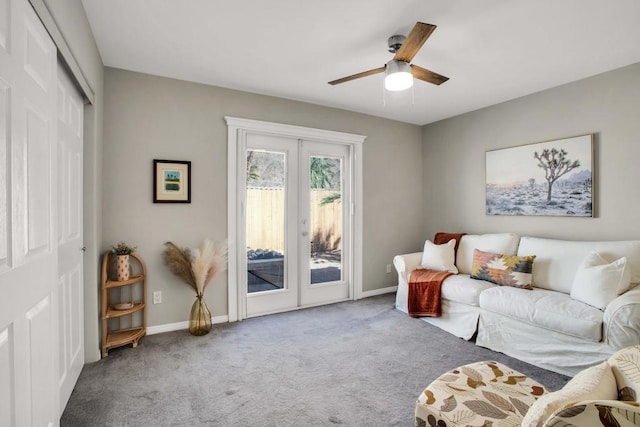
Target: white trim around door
(238, 128)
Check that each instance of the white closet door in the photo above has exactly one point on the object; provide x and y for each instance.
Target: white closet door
(69, 189)
(28, 250)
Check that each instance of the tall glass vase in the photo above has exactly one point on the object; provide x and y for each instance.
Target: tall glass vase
(200, 319)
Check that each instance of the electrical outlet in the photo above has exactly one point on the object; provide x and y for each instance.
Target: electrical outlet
(157, 297)
(388, 268)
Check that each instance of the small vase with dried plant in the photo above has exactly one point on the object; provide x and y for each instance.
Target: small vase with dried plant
(197, 269)
(122, 252)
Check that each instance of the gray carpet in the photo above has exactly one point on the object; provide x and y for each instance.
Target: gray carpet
(354, 364)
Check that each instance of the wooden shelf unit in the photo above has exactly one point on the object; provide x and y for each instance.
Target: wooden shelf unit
(125, 336)
(134, 291)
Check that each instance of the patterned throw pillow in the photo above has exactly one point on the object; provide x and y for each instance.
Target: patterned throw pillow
(506, 270)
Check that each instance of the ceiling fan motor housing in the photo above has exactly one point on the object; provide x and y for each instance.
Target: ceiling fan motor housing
(399, 72)
(395, 42)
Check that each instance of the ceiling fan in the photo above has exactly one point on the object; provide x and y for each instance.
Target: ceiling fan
(399, 71)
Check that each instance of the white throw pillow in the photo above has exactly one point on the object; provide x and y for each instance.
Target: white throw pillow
(594, 383)
(599, 281)
(440, 257)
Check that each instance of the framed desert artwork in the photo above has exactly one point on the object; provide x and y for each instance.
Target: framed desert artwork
(171, 181)
(553, 178)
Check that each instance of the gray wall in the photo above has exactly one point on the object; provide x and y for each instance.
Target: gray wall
(607, 105)
(72, 22)
(149, 117)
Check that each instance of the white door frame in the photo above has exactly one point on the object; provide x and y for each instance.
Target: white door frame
(237, 129)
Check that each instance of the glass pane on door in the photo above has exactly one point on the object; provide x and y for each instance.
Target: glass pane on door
(325, 219)
(265, 220)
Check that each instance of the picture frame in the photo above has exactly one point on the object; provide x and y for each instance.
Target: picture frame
(551, 178)
(171, 181)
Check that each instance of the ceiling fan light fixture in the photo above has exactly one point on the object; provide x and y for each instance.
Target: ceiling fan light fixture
(397, 76)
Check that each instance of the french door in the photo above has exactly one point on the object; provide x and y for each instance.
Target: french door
(297, 223)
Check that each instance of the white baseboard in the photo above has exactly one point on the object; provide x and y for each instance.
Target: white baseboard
(381, 291)
(179, 326)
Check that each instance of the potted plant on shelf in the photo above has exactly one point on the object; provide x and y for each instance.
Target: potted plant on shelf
(122, 252)
(197, 269)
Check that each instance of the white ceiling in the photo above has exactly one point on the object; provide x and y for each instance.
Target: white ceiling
(492, 50)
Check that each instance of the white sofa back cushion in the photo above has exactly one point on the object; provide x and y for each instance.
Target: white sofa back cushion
(558, 260)
(497, 243)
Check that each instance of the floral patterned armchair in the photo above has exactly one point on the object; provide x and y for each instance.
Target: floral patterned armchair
(492, 394)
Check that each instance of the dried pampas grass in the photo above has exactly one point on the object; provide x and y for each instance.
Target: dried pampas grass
(207, 262)
(196, 269)
(179, 262)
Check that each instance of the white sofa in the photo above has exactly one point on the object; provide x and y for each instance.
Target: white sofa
(544, 326)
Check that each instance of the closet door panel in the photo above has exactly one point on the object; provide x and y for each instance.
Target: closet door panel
(28, 254)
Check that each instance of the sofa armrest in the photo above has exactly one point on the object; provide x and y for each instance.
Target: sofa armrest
(589, 413)
(622, 320)
(405, 264)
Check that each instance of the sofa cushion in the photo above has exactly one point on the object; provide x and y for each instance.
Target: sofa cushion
(594, 383)
(505, 270)
(625, 365)
(462, 288)
(598, 281)
(557, 260)
(439, 257)
(499, 243)
(547, 309)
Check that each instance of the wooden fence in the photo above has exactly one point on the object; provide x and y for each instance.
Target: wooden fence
(266, 220)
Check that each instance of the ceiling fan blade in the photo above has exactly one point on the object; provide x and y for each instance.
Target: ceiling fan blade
(416, 38)
(427, 76)
(357, 76)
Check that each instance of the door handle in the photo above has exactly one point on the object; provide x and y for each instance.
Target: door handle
(304, 233)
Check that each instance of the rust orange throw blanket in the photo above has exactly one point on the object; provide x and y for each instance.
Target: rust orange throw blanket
(424, 292)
